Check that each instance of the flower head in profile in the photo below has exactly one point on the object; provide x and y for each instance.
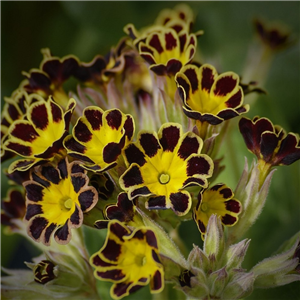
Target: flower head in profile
(130, 260)
(99, 137)
(218, 200)
(56, 198)
(209, 96)
(162, 165)
(270, 143)
(39, 137)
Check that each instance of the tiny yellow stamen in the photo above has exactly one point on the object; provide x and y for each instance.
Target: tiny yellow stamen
(68, 203)
(140, 260)
(204, 207)
(164, 178)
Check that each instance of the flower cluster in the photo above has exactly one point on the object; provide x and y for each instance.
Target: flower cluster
(132, 155)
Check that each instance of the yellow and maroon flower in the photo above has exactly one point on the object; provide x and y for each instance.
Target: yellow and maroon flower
(99, 137)
(162, 165)
(130, 260)
(44, 271)
(56, 198)
(217, 200)
(270, 143)
(167, 51)
(39, 137)
(209, 97)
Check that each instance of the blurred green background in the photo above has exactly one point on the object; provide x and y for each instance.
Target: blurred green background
(88, 28)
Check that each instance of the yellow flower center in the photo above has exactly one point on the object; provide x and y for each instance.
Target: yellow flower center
(68, 203)
(164, 178)
(140, 260)
(204, 207)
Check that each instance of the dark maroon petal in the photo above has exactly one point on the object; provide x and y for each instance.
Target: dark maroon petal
(228, 113)
(235, 100)
(268, 144)
(191, 74)
(111, 151)
(252, 132)
(155, 256)
(48, 232)
(159, 69)
(132, 176)
(129, 127)
(180, 202)
(62, 166)
(56, 112)
(119, 230)
(151, 239)
(36, 178)
(139, 234)
(188, 146)
(112, 250)
(194, 181)
(25, 132)
(289, 150)
(62, 234)
(135, 155)
(37, 226)
(182, 40)
(173, 66)
(76, 168)
(115, 213)
(142, 191)
(97, 261)
(121, 288)
(226, 193)
(207, 78)
(32, 210)
(228, 219)
(147, 57)
(155, 43)
(13, 113)
(136, 287)
(198, 165)
(39, 116)
(114, 119)
(19, 148)
(114, 274)
(233, 205)
(157, 203)
(185, 278)
(86, 199)
(209, 118)
(201, 226)
(51, 174)
(149, 143)
(82, 133)
(76, 218)
(78, 182)
(39, 81)
(15, 206)
(171, 42)
(34, 192)
(225, 85)
(94, 117)
(169, 138)
(156, 281)
(72, 145)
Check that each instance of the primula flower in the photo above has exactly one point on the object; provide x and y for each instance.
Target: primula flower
(209, 97)
(56, 198)
(162, 165)
(167, 51)
(99, 137)
(269, 143)
(130, 260)
(44, 271)
(216, 200)
(39, 137)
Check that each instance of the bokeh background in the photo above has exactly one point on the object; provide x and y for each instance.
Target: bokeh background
(87, 28)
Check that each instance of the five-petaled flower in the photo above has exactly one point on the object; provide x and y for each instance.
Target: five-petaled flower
(44, 271)
(99, 137)
(216, 200)
(39, 137)
(162, 165)
(130, 259)
(209, 97)
(269, 143)
(56, 198)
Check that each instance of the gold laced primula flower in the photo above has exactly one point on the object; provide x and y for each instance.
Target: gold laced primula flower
(129, 259)
(38, 138)
(209, 96)
(99, 137)
(167, 51)
(56, 198)
(162, 165)
(217, 200)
